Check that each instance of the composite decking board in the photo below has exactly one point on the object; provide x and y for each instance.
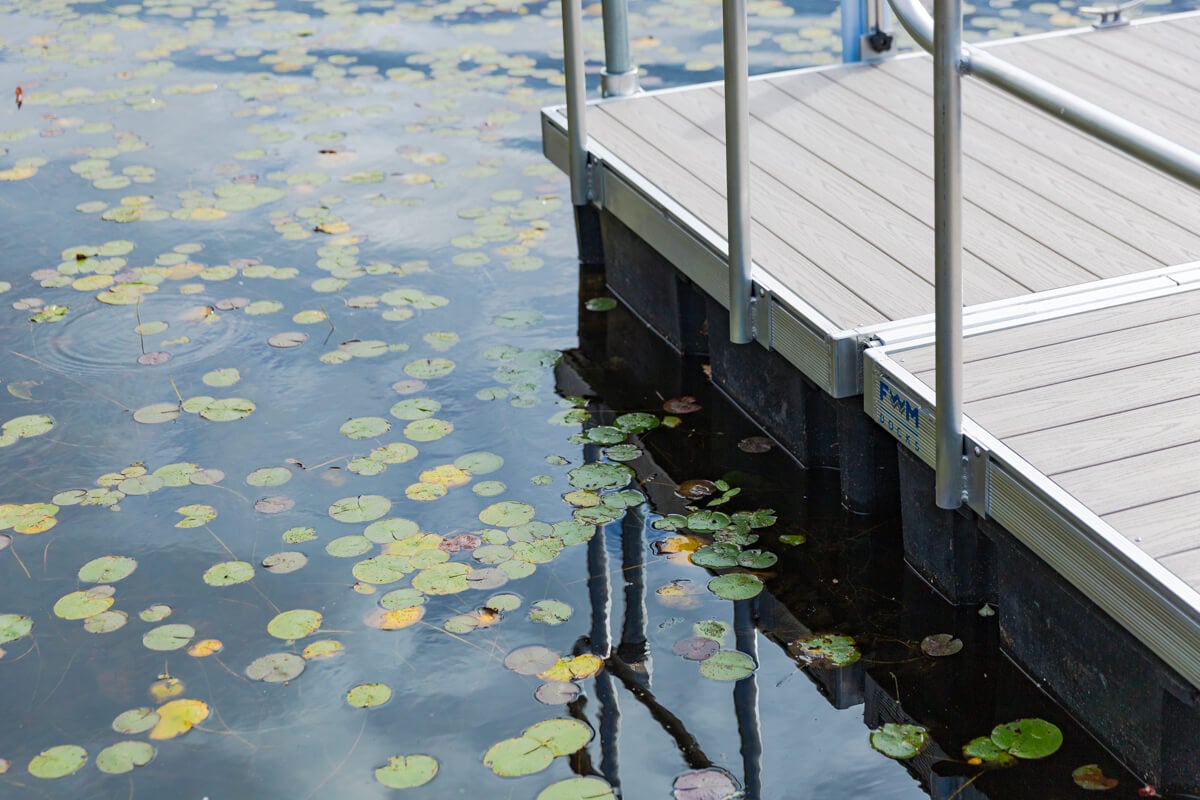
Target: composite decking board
(895, 230)
(1166, 91)
(1075, 328)
(1137, 107)
(1074, 149)
(1010, 373)
(1171, 50)
(1084, 398)
(1167, 528)
(1135, 481)
(834, 299)
(1185, 565)
(1087, 220)
(915, 148)
(990, 245)
(827, 241)
(1090, 442)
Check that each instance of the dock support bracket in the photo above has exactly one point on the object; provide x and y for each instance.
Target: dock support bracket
(975, 478)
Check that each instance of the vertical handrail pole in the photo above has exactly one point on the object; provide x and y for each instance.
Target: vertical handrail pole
(619, 77)
(572, 22)
(737, 167)
(854, 25)
(947, 137)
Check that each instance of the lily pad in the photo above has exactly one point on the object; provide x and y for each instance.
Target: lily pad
(727, 665)
(406, 772)
(712, 783)
(107, 569)
(275, 667)
(448, 578)
(702, 521)
(285, 562)
(13, 627)
(518, 756)
(169, 637)
(360, 508)
(507, 514)
(1092, 778)
(369, 695)
(365, 427)
(556, 693)
(598, 476)
(562, 736)
(294, 624)
(982, 750)
(833, 649)
(757, 559)
(58, 762)
(122, 757)
(941, 644)
(696, 648)
(269, 476)
(716, 556)
(550, 612)
(177, 717)
(1028, 738)
(106, 622)
(135, 720)
(531, 660)
(229, 573)
(736, 586)
(84, 604)
(900, 741)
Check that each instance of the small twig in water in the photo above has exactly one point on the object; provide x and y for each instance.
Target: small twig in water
(960, 789)
(137, 312)
(332, 327)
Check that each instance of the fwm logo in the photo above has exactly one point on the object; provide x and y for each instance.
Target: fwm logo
(899, 404)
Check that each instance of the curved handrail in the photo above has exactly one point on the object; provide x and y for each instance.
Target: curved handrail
(1144, 145)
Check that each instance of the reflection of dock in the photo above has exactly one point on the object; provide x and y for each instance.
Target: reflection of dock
(1080, 448)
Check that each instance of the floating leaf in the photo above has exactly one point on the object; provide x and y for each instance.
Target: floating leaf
(506, 514)
(1092, 778)
(85, 603)
(285, 562)
(169, 637)
(227, 409)
(406, 772)
(736, 586)
(58, 762)
(369, 695)
(696, 648)
(716, 556)
(562, 736)
(135, 720)
(757, 559)
(712, 783)
(177, 718)
(568, 669)
(275, 667)
(900, 741)
(550, 612)
(531, 660)
(13, 627)
(294, 624)
(229, 573)
(941, 644)
(318, 651)
(365, 427)
(107, 569)
(269, 476)
(106, 622)
(519, 756)
(702, 521)
(727, 665)
(832, 648)
(555, 693)
(682, 405)
(600, 304)
(793, 538)
(122, 757)
(360, 508)
(205, 648)
(448, 578)
(598, 476)
(1028, 738)
(982, 750)
(397, 619)
(155, 613)
(156, 413)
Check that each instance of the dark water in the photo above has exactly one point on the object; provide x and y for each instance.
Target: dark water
(403, 220)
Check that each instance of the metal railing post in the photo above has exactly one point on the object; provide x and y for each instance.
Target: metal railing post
(619, 77)
(947, 141)
(737, 168)
(854, 27)
(572, 22)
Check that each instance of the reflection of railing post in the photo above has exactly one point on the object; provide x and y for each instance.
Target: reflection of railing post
(745, 700)
(737, 168)
(866, 30)
(632, 649)
(619, 77)
(947, 137)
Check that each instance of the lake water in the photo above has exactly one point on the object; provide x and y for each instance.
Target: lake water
(323, 479)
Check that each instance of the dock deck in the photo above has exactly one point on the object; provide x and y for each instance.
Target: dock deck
(1081, 277)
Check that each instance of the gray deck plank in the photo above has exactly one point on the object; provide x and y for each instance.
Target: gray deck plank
(1090, 442)
(828, 242)
(1085, 398)
(1185, 565)
(1163, 529)
(896, 230)
(1062, 362)
(1075, 328)
(831, 297)
(1135, 481)
(1075, 150)
(1172, 50)
(1076, 216)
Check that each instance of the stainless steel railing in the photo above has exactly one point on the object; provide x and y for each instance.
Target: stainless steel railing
(952, 60)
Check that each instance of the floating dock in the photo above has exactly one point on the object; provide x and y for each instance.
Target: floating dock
(1081, 280)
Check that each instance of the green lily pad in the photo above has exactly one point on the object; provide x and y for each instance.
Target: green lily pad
(221, 377)
(448, 578)
(382, 570)
(507, 514)
(106, 622)
(391, 530)
(406, 772)
(29, 425)
(704, 521)
(107, 569)
(636, 422)
(605, 434)
(479, 463)
(122, 757)
(727, 665)
(832, 648)
(13, 627)
(571, 532)
(735, 586)
(135, 720)
(983, 750)
(550, 612)
(426, 368)
(597, 476)
(562, 736)
(299, 534)
(1028, 738)
(58, 762)
(294, 624)
(360, 508)
(428, 430)
(284, 562)
(716, 556)
(269, 476)
(713, 629)
(793, 538)
(518, 756)
(900, 741)
(402, 598)
(600, 304)
(941, 644)
(84, 604)
(169, 637)
(227, 409)
(757, 559)
(275, 668)
(229, 573)
(365, 427)
(587, 788)
(413, 408)
(369, 695)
